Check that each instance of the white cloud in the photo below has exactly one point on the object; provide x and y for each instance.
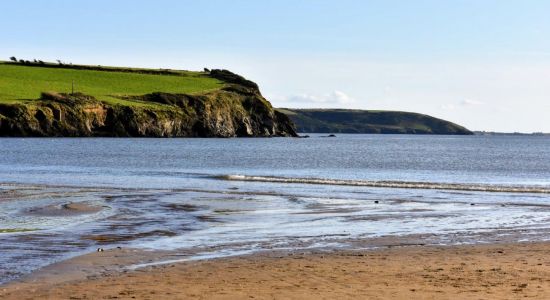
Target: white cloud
(470, 102)
(464, 103)
(336, 97)
(448, 106)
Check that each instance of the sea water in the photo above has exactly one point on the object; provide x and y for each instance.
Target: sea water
(224, 196)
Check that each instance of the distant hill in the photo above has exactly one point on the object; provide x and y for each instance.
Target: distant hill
(369, 121)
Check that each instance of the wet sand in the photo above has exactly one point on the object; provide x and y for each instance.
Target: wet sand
(67, 209)
(506, 271)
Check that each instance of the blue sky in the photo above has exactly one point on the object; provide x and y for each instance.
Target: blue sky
(481, 63)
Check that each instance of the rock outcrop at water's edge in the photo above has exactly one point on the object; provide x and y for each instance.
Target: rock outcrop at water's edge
(236, 110)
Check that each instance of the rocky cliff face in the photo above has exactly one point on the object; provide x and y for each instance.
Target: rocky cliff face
(236, 110)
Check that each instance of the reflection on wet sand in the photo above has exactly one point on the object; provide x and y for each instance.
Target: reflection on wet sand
(66, 209)
(67, 221)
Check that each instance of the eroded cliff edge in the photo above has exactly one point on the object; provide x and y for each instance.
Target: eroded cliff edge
(236, 110)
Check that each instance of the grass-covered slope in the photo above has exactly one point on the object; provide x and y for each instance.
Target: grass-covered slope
(36, 99)
(19, 82)
(367, 121)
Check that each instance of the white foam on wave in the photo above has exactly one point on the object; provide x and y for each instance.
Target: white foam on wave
(396, 184)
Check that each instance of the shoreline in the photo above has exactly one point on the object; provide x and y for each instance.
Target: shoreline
(498, 271)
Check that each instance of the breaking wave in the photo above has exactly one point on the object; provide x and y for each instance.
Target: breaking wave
(395, 184)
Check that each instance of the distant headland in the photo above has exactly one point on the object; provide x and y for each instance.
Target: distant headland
(369, 121)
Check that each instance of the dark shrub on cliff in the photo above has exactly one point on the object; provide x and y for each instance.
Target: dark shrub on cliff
(230, 77)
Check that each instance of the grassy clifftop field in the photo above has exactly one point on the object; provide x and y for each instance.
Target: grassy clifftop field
(37, 99)
(369, 121)
(20, 82)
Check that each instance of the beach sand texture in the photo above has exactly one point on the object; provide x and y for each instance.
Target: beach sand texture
(510, 271)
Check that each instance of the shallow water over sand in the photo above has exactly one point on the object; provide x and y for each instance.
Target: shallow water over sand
(64, 197)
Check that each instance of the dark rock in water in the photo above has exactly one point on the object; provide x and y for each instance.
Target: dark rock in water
(236, 110)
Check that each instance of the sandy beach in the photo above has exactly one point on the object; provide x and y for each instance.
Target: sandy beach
(507, 271)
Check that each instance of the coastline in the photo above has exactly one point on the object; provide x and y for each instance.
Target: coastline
(497, 271)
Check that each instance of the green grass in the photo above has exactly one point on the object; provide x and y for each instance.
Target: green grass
(19, 83)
